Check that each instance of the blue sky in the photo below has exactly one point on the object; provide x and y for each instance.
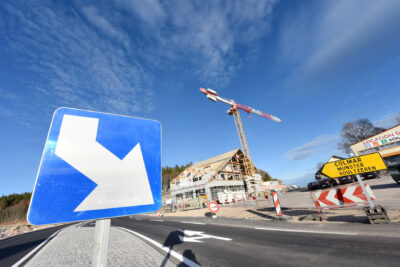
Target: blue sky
(314, 64)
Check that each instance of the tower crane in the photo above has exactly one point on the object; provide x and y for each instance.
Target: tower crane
(213, 96)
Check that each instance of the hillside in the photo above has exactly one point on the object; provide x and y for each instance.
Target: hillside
(169, 173)
(14, 207)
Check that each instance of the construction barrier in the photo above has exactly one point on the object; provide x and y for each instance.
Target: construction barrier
(276, 203)
(340, 197)
(229, 197)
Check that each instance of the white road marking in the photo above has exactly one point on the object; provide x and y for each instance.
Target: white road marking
(157, 220)
(168, 250)
(82, 223)
(200, 223)
(194, 236)
(35, 249)
(304, 231)
(138, 219)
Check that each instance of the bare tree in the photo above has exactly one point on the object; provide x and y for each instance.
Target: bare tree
(319, 165)
(356, 131)
(397, 118)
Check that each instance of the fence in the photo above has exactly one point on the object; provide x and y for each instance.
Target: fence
(188, 204)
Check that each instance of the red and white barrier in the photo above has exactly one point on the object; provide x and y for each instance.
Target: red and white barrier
(350, 195)
(276, 203)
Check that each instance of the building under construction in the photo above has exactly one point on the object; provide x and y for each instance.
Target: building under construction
(225, 173)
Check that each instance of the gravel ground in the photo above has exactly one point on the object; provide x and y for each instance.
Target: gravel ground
(299, 204)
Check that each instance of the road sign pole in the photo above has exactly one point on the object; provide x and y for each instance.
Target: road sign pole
(371, 204)
(100, 248)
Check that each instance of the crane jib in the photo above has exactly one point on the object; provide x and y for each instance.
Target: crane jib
(213, 95)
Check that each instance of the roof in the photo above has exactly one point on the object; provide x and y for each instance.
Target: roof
(207, 167)
(223, 157)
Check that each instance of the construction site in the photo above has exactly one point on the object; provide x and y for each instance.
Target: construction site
(230, 177)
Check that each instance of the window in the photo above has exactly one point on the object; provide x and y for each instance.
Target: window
(383, 147)
(236, 167)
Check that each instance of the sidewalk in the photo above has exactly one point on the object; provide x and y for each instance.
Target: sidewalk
(73, 247)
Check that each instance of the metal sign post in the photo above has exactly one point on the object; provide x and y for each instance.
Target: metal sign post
(100, 248)
(371, 204)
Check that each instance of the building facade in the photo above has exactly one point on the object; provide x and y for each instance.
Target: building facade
(224, 173)
(387, 143)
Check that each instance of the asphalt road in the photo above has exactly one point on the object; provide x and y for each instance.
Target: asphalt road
(265, 247)
(15, 248)
(244, 243)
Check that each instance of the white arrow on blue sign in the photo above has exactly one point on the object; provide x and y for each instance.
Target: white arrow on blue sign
(97, 165)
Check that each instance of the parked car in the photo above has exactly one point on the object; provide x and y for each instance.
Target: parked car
(370, 175)
(394, 171)
(327, 182)
(321, 184)
(312, 185)
(347, 179)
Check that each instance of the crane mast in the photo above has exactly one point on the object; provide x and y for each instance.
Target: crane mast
(213, 96)
(248, 163)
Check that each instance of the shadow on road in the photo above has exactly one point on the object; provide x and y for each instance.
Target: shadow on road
(263, 215)
(285, 211)
(302, 213)
(188, 253)
(8, 251)
(299, 212)
(348, 219)
(385, 186)
(173, 240)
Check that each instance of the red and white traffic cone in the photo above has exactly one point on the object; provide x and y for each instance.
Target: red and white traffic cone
(158, 213)
(276, 203)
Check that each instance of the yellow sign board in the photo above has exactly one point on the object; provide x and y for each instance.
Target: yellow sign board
(352, 166)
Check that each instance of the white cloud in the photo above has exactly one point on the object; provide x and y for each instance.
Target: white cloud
(312, 147)
(74, 62)
(207, 34)
(104, 57)
(387, 121)
(331, 38)
(150, 11)
(95, 18)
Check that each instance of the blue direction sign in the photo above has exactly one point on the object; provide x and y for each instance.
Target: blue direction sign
(97, 165)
